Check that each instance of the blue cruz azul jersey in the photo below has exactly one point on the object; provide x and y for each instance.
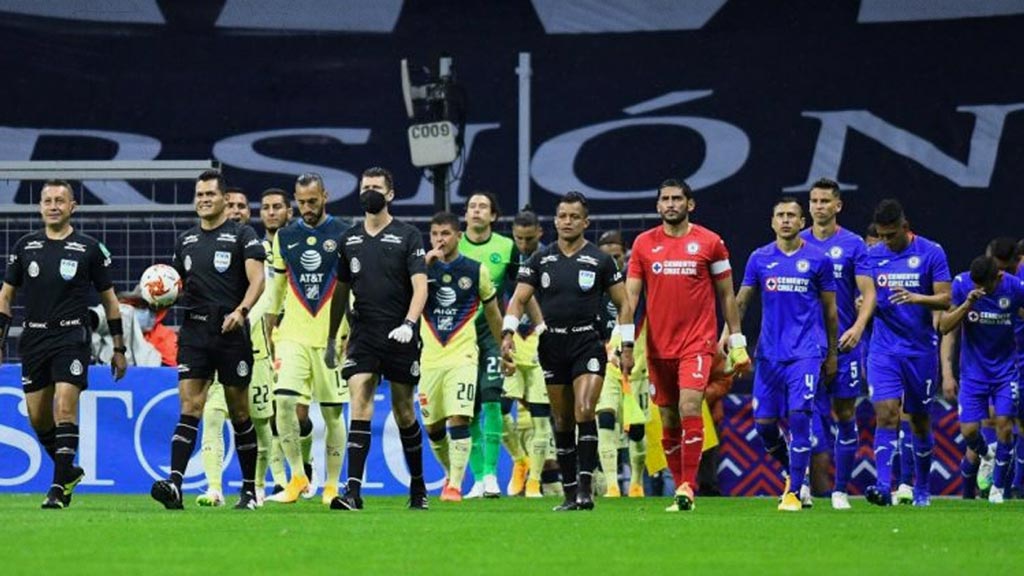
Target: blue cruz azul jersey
(987, 350)
(849, 260)
(792, 317)
(1018, 331)
(906, 329)
(312, 258)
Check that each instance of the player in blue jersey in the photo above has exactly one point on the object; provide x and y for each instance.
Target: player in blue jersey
(912, 280)
(853, 278)
(977, 471)
(1018, 333)
(797, 347)
(986, 305)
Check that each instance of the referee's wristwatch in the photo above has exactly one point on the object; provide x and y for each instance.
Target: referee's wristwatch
(244, 311)
(120, 349)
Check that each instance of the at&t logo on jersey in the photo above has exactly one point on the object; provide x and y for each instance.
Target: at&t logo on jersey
(310, 260)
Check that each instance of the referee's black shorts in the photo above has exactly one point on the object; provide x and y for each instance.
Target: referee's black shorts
(49, 356)
(566, 353)
(370, 351)
(206, 356)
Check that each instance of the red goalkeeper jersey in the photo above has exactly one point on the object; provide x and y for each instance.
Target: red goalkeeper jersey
(678, 276)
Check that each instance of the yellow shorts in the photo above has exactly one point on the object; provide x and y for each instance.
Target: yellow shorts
(611, 391)
(527, 384)
(261, 395)
(447, 392)
(261, 398)
(303, 372)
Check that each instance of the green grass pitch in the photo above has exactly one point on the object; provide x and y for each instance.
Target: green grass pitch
(132, 535)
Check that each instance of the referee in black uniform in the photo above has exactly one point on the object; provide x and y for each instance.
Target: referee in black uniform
(56, 266)
(221, 264)
(382, 264)
(569, 279)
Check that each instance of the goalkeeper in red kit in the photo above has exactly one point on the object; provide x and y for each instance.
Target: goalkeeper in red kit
(682, 268)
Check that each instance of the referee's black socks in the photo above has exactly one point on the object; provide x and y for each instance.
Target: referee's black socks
(358, 449)
(48, 439)
(245, 446)
(66, 447)
(565, 445)
(412, 447)
(182, 444)
(588, 455)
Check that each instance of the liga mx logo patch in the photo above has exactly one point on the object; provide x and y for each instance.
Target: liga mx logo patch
(243, 369)
(221, 261)
(68, 268)
(586, 279)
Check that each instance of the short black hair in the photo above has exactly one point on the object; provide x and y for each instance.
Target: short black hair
(526, 217)
(446, 219)
(984, 270)
(217, 175)
(827, 184)
(888, 212)
(378, 172)
(277, 192)
(236, 190)
(491, 197)
(871, 231)
(58, 183)
(574, 197)
(611, 237)
(673, 183)
(1002, 248)
(307, 178)
(788, 200)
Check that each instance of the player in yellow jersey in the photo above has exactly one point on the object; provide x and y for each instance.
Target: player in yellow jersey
(612, 415)
(458, 287)
(526, 383)
(261, 408)
(305, 257)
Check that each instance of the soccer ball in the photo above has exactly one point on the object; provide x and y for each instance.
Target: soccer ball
(160, 285)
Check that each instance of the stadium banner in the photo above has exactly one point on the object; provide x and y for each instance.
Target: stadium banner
(747, 100)
(126, 429)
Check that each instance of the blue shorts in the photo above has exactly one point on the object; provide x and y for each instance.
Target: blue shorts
(910, 378)
(850, 377)
(975, 397)
(784, 387)
(1018, 399)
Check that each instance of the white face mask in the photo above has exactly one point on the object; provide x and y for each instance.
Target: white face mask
(145, 318)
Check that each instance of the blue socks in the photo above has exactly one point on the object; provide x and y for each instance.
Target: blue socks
(885, 449)
(1004, 456)
(774, 445)
(906, 455)
(799, 448)
(846, 452)
(923, 461)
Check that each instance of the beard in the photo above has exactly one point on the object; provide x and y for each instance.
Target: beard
(679, 218)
